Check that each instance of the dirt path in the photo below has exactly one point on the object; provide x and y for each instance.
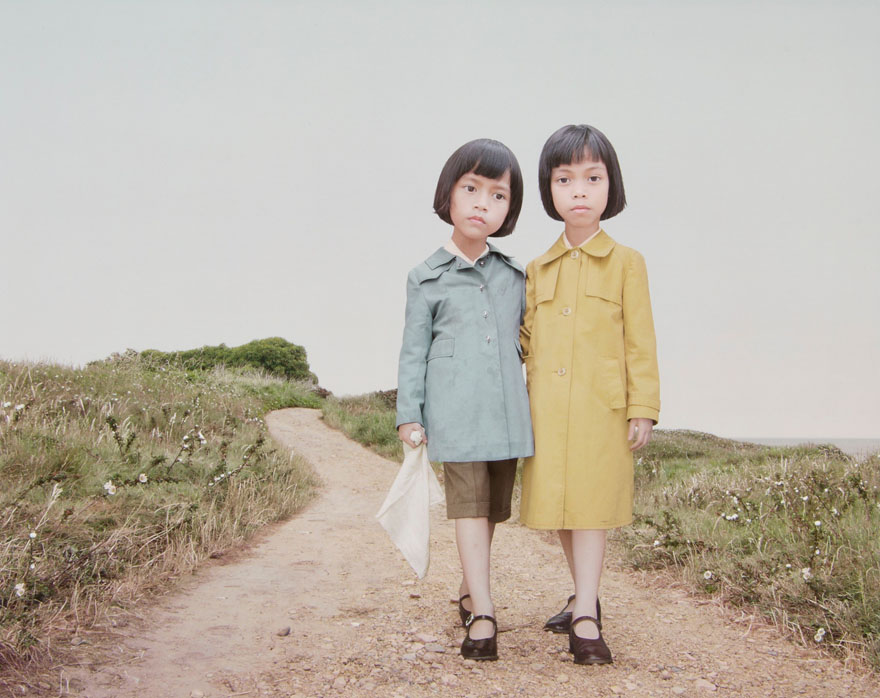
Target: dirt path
(362, 625)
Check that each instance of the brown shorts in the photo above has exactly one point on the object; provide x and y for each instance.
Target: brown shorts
(479, 488)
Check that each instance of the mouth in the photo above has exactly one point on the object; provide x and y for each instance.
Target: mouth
(477, 219)
(580, 209)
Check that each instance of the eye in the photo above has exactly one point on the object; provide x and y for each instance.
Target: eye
(596, 178)
(499, 196)
(470, 188)
(562, 180)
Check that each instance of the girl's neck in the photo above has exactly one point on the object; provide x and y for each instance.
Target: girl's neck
(471, 248)
(578, 236)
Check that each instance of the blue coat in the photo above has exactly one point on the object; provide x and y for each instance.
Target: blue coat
(460, 372)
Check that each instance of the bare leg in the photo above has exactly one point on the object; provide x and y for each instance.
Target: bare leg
(588, 554)
(565, 540)
(463, 587)
(473, 539)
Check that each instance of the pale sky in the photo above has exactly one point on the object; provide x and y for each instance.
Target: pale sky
(175, 174)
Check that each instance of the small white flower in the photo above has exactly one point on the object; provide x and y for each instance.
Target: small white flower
(109, 487)
(142, 477)
(202, 439)
(19, 589)
(817, 524)
(807, 574)
(32, 535)
(19, 408)
(788, 566)
(820, 635)
(33, 566)
(656, 543)
(7, 404)
(805, 498)
(708, 575)
(817, 551)
(835, 512)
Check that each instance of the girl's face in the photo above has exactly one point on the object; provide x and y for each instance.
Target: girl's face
(580, 193)
(478, 206)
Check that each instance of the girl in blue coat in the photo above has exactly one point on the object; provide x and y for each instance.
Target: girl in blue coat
(460, 383)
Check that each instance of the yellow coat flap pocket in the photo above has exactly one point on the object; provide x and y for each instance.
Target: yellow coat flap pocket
(441, 348)
(605, 281)
(545, 281)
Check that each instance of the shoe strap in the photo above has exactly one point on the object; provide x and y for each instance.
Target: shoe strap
(462, 598)
(472, 619)
(580, 618)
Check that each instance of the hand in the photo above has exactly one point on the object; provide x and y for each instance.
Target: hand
(640, 431)
(405, 432)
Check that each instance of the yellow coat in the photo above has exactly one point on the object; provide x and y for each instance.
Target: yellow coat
(591, 362)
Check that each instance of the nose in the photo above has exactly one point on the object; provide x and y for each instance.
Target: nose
(482, 202)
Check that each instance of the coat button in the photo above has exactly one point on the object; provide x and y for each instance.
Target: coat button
(482, 262)
(574, 254)
(488, 339)
(561, 372)
(485, 313)
(566, 311)
(482, 286)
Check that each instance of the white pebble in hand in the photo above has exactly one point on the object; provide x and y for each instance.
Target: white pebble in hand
(415, 436)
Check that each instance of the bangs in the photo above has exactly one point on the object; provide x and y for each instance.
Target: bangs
(492, 163)
(576, 146)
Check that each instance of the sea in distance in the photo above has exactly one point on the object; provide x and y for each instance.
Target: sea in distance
(858, 448)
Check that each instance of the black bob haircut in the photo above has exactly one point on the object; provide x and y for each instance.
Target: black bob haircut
(571, 144)
(486, 158)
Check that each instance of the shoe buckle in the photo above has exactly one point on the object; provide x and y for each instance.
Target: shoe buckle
(470, 619)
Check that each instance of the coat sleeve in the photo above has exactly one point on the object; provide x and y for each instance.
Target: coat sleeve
(525, 330)
(640, 344)
(412, 366)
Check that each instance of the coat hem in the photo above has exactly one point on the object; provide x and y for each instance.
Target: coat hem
(557, 527)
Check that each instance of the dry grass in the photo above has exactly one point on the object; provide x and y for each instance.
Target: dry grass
(120, 477)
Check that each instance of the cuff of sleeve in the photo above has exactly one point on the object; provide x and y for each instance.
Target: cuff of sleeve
(635, 411)
(403, 418)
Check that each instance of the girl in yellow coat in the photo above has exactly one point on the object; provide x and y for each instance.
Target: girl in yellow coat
(591, 362)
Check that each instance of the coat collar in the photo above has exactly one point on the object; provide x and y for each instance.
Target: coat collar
(599, 246)
(442, 260)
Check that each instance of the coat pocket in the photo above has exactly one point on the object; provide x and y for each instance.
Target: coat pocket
(612, 295)
(441, 348)
(545, 282)
(609, 384)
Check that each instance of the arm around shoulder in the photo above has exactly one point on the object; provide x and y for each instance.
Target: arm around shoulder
(640, 343)
(525, 330)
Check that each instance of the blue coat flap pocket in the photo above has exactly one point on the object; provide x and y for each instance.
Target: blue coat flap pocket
(441, 347)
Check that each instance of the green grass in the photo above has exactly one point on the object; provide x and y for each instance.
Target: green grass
(732, 520)
(121, 476)
(368, 419)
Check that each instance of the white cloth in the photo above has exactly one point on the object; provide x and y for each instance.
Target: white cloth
(405, 512)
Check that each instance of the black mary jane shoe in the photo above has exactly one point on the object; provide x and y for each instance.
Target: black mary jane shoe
(561, 622)
(463, 613)
(484, 649)
(586, 650)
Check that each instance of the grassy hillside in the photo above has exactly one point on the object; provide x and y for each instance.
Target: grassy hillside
(793, 532)
(121, 476)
